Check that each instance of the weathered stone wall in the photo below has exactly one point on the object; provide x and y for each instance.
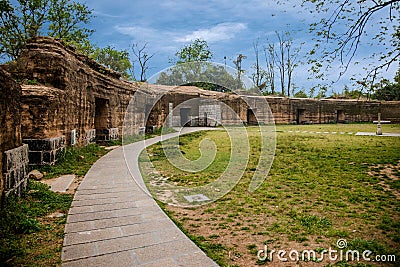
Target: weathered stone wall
(191, 99)
(63, 91)
(13, 156)
(296, 110)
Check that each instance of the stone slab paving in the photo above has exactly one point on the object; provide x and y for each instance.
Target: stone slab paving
(62, 183)
(374, 134)
(113, 221)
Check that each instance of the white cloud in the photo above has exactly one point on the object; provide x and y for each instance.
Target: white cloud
(159, 40)
(136, 31)
(220, 32)
(103, 14)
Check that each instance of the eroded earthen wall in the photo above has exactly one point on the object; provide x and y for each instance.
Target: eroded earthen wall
(64, 91)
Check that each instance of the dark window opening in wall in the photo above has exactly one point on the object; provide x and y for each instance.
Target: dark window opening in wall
(102, 119)
(251, 117)
(185, 112)
(340, 116)
(300, 117)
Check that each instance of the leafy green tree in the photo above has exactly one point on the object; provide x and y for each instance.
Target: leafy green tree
(19, 23)
(300, 94)
(348, 94)
(66, 22)
(63, 19)
(201, 74)
(198, 50)
(192, 68)
(114, 59)
(322, 92)
(389, 91)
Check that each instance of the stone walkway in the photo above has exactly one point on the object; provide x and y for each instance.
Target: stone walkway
(316, 132)
(374, 134)
(114, 222)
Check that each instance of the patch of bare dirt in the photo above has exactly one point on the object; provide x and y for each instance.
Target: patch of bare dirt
(242, 242)
(387, 173)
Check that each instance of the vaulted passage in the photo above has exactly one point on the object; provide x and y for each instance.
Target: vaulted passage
(251, 117)
(102, 119)
(185, 112)
(340, 116)
(300, 116)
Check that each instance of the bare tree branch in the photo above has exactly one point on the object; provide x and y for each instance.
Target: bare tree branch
(142, 57)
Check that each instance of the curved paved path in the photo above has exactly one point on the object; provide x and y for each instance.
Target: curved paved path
(113, 222)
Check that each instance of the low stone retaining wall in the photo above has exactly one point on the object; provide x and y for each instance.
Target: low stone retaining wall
(15, 170)
(45, 151)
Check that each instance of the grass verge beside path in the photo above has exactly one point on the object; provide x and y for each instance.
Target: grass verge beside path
(32, 227)
(320, 188)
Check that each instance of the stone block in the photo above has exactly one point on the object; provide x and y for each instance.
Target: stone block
(35, 157)
(38, 144)
(90, 136)
(114, 133)
(45, 151)
(48, 157)
(15, 176)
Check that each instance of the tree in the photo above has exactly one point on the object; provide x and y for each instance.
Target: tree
(192, 68)
(198, 50)
(355, 17)
(114, 59)
(389, 91)
(269, 53)
(239, 70)
(284, 58)
(20, 23)
(66, 22)
(142, 57)
(260, 75)
(300, 94)
(63, 19)
(201, 74)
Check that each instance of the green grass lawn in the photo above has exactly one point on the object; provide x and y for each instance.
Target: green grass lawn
(320, 188)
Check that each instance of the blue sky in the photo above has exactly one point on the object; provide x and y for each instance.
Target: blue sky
(230, 27)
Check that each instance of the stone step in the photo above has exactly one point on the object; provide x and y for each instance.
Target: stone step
(62, 183)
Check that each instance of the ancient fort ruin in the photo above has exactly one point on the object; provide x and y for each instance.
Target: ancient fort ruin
(53, 97)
